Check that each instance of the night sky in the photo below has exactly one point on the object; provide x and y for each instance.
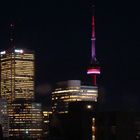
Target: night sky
(59, 32)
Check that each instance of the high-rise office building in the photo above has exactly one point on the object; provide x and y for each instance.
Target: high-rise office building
(71, 91)
(26, 120)
(4, 119)
(17, 74)
(46, 123)
(17, 87)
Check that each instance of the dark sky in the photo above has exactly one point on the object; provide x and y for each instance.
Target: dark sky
(60, 31)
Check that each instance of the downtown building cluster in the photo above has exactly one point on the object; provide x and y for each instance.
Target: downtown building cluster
(73, 103)
(22, 118)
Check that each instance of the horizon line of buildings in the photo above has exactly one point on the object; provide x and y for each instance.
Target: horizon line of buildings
(21, 116)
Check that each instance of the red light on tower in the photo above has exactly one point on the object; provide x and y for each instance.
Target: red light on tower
(94, 69)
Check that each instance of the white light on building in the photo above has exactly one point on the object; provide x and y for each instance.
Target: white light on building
(3, 52)
(19, 51)
(89, 106)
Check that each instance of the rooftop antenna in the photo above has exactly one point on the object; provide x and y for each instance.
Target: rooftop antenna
(12, 40)
(93, 38)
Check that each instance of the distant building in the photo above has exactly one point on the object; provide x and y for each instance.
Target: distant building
(46, 123)
(77, 124)
(4, 119)
(26, 120)
(1, 133)
(82, 120)
(17, 74)
(118, 125)
(71, 91)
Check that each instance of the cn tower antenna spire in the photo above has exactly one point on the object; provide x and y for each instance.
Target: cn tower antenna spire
(94, 69)
(93, 38)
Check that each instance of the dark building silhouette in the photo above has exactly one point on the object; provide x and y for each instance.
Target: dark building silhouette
(113, 125)
(1, 133)
(81, 116)
(77, 124)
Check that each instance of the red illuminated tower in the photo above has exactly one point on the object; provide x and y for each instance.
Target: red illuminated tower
(94, 69)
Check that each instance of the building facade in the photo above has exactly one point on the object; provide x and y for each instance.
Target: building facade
(118, 125)
(26, 120)
(17, 74)
(71, 91)
(4, 119)
(17, 87)
(46, 123)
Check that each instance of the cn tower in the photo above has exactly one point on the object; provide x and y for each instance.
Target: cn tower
(94, 68)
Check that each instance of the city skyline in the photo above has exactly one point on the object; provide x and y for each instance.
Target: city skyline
(61, 41)
(69, 71)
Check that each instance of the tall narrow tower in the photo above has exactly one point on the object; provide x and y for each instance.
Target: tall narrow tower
(94, 69)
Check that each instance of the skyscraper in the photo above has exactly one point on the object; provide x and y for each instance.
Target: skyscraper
(17, 87)
(17, 74)
(25, 120)
(4, 119)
